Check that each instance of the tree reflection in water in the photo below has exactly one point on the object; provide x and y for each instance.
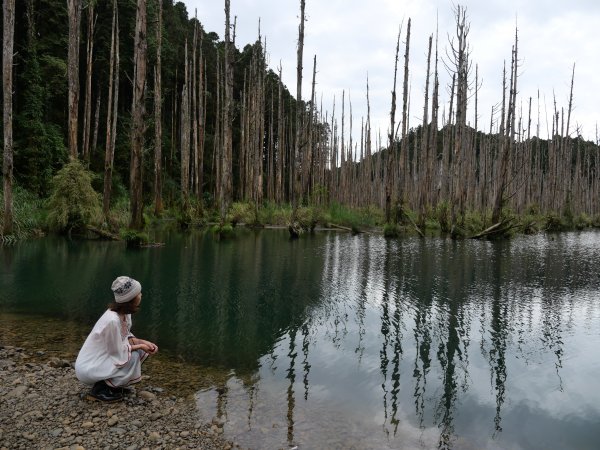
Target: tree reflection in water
(368, 339)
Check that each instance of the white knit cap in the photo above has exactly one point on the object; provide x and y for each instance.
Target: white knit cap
(125, 289)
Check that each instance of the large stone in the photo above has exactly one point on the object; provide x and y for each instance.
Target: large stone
(112, 421)
(18, 391)
(147, 395)
(154, 436)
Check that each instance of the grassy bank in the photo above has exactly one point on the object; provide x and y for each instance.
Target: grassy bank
(36, 217)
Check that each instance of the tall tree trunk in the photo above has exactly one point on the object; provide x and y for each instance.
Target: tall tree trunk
(404, 163)
(201, 123)
(96, 123)
(425, 148)
(8, 14)
(137, 116)
(158, 203)
(185, 135)
(296, 195)
(389, 182)
(194, 106)
(226, 160)
(74, 11)
(507, 137)
(279, 176)
(87, 109)
(111, 111)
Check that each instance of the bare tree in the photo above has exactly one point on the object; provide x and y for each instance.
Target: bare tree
(111, 110)
(389, 182)
(296, 194)
(226, 160)
(87, 109)
(137, 115)
(74, 10)
(158, 204)
(8, 14)
(185, 134)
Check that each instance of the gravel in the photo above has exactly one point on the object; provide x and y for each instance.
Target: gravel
(44, 406)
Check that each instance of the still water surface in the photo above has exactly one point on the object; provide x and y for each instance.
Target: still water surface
(339, 341)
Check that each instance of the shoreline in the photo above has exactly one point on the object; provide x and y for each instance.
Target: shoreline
(44, 406)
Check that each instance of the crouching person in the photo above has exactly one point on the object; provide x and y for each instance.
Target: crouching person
(111, 357)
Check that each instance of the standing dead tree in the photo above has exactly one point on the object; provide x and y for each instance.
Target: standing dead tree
(137, 116)
(297, 159)
(460, 67)
(389, 182)
(111, 111)
(8, 22)
(185, 135)
(226, 188)
(74, 10)
(506, 135)
(158, 204)
(87, 108)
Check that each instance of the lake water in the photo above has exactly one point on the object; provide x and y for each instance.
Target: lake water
(340, 341)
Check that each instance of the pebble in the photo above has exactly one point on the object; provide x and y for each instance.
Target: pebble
(147, 395)
(154, 436)
(59, 417)
(18, 391)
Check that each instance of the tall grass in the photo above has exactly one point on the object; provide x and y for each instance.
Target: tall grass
(29, 216)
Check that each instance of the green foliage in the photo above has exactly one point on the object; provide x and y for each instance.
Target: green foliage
(582, 221)
(224, 231)
(119, 214)
(355, 218)
(555, 222)
(443, 216)
(241, 212)
(73, 203)
(473, 222)
(28, 215)
(307, 217)
(392, 230)
(134, 238)
(275, 215)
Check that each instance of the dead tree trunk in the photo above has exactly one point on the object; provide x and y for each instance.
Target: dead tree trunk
(201, 123)
(185, 135)
(507, 137)
(389, 182)
(74, 11)
(158, 204)
(460, 54)
(296, 194)
(279, 176)
(87, 109)
(226, 160)
(111, 111)
(96, 124)
(8, 14)
(194, 106)
(137, 116)
(425, 147)
(404, 163)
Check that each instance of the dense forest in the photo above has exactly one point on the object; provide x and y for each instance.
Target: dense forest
(132, 108)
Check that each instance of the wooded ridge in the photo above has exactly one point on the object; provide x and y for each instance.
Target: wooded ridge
(165, 115)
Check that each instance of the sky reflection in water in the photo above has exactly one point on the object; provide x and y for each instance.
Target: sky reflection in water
(338, 341)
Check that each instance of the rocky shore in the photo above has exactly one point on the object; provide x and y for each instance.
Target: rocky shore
(43, 406)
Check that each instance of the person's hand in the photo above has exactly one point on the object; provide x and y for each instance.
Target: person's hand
(148, 346)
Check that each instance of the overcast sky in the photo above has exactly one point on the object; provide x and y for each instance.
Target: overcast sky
(355, 38)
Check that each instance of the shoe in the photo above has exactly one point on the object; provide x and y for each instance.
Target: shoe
(102, 392)
(126, 390)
